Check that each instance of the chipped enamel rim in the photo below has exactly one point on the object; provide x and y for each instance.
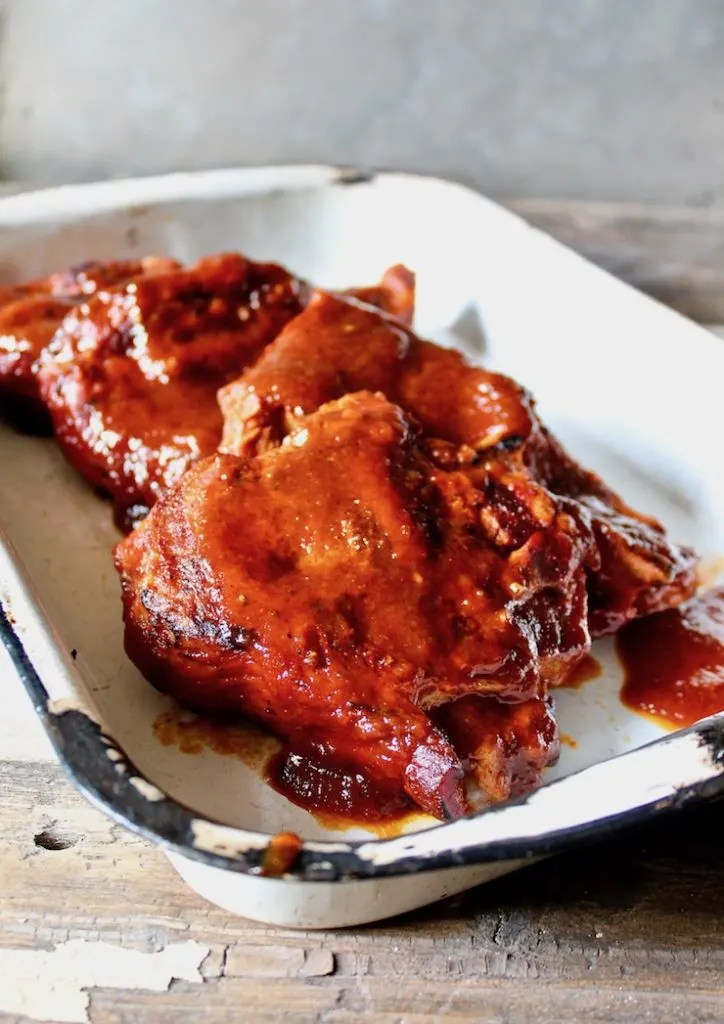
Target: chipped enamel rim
(660, 777)
(681, 768)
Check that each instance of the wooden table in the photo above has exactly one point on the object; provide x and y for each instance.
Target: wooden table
(95, 925)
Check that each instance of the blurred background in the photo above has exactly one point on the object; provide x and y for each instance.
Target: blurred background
(589, 99)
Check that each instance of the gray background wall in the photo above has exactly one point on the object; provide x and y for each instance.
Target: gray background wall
(609, 99)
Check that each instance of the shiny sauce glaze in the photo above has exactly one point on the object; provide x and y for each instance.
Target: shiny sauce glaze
(336, 797)
(674, 661)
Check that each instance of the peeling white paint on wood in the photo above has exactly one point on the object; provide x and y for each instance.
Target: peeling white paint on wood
(54, 985)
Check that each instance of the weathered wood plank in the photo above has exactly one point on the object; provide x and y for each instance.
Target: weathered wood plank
(612, 933)
(674, 254)
(410, 1003)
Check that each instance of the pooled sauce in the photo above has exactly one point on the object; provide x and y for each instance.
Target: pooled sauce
(674, 661)
(337, 800)
(583, 672)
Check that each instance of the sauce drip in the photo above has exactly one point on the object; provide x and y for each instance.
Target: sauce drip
(568, 741)
(674, 661)
(337, 799)
(582, 672)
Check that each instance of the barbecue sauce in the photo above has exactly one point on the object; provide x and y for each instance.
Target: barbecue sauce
(334, 796)
(674, 661)
(582, 672)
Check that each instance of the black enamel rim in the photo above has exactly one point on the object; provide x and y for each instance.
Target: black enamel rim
(111, 784)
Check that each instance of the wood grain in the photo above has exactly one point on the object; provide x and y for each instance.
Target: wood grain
(675, 254)
(630, 930)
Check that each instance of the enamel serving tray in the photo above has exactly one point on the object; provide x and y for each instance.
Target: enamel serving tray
(633, 389)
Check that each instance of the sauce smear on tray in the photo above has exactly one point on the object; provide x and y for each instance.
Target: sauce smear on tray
(674, 661)
(584, 671)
